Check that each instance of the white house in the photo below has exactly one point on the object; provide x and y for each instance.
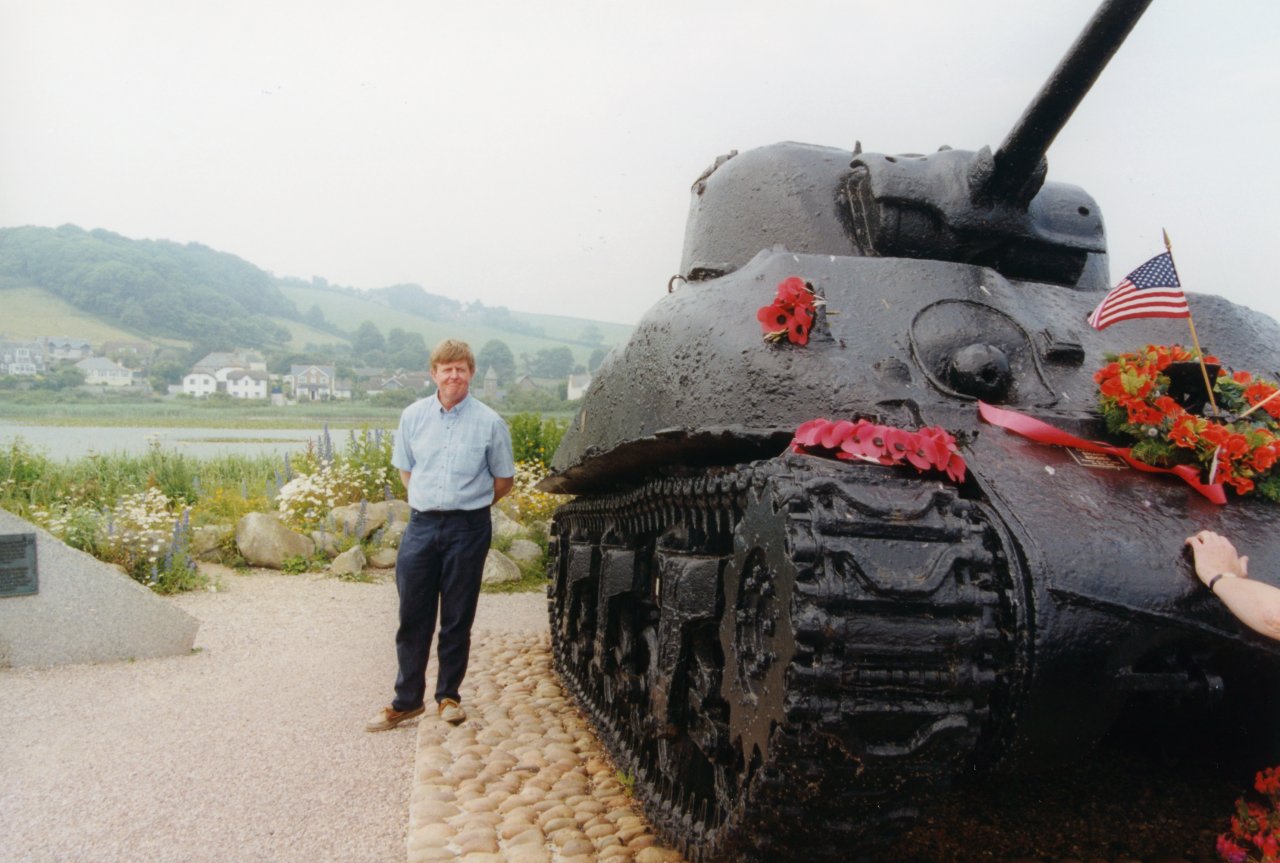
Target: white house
(199, 384)
(577, 386)
(100, 371)
(246, 384)
(21, 358)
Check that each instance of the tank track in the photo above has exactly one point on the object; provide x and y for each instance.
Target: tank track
(786, 656)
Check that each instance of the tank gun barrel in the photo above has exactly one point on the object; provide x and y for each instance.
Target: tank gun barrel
(1017, 162)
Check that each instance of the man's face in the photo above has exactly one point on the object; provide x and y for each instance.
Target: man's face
(453, 380)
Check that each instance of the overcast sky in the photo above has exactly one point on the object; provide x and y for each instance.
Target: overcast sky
(539, 155)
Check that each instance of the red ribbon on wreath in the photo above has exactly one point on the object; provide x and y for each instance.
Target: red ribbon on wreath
(1041, 432)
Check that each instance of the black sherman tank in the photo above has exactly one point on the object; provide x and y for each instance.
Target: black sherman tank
(790, 654)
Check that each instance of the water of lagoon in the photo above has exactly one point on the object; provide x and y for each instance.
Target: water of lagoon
(73, 442)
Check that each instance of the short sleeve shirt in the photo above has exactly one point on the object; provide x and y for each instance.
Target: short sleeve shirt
(452, 455)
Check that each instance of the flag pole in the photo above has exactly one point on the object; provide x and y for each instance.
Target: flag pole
(1195, 340)
(1259, 404)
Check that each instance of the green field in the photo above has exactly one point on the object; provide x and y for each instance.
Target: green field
(300, 335)
(30, 313)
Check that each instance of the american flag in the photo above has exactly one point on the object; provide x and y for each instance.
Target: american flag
(1151, 291)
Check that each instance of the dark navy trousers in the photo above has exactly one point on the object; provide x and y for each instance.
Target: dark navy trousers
(438, 568)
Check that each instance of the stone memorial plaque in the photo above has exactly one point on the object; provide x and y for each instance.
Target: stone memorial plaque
(18, 564)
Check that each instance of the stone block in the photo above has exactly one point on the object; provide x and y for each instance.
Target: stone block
(499, 568)
(350, 562)
(383, 558)
(346, 519)
(85, 611)
(264, 541)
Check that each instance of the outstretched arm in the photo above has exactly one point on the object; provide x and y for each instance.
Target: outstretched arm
(1226, 573)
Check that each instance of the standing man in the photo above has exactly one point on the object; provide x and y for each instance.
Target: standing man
(454, 455)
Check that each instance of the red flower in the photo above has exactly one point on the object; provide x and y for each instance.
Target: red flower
(794, 291)
(1242, 377)
(923, 452)
(948, 456)
(1214, 434)
(1242, 485)
(835, 434)
(865, 441)
(791, 313)
(801, 324)
(1264, 458)
(1268, 781)
(1143, 414)
(809, 434)
(774, 318)
(1235, 445)
(1229, 851)
(897, 443)
(1112, 387)
(1183, 433)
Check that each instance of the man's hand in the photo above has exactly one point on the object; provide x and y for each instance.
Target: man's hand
(1215, 555)
(404, 478)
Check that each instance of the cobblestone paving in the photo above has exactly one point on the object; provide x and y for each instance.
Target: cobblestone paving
(524, 779)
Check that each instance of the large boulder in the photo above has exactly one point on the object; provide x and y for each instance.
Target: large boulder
(499, 568)
(350, 562)
(264, 541)
(348, 519)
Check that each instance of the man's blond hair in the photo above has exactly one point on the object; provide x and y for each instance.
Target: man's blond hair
(452, 351)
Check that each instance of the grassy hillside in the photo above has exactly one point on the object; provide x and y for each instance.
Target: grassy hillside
(300, 335)
(570, 329)
(33, 312)
(349, 311)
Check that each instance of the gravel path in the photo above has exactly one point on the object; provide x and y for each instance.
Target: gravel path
(251, 749)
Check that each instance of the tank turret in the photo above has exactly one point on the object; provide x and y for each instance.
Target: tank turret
(789, 652)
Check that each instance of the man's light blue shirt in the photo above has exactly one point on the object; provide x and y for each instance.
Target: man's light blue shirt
(452, 455)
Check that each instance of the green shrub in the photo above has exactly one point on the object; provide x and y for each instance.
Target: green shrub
(534, 439)
(295, 564)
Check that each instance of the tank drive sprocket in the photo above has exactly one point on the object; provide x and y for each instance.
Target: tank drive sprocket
(788, 655)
